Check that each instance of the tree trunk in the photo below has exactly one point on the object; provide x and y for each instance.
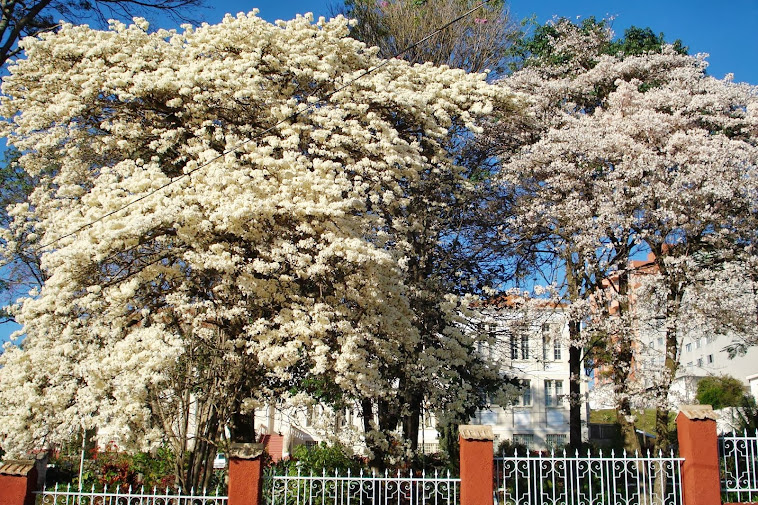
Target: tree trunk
(673, 300)
(573, 279)
(625, 421)
(377, 455)
(242, 429)
(411, 421)
(622, 367)
(575, 388)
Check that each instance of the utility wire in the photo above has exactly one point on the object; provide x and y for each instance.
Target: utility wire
(260, 134)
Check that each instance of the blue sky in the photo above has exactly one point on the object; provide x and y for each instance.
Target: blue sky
(727, 30)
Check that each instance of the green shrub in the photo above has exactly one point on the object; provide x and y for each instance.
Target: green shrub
(316, 459)
(110, 467)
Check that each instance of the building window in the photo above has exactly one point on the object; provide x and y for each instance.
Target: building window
(555, 441)
(709, 359)
(553, 393)
(525, 400)
(551, 346)
(431, 447)
(548, 393)
(698, 343)
(525, 347)
(514, 347)
(700, 362)
(524, 439)
(688, 347)
(486, 345)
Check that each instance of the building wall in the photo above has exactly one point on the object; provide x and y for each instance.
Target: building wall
(533, 346)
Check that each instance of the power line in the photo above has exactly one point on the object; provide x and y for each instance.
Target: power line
(259, 134)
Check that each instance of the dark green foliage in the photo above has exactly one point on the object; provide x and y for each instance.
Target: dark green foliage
(317, 459)
(449, 444)
(638, 41)
(111, 468)
(509, 448)
(725, 392)
(745, 417)
(433, 462)
(539, 49)
(720, 391)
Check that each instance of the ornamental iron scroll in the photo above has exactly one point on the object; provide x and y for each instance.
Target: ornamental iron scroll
(560, 479)
(116, 496)
(738, 463)
(361, 489)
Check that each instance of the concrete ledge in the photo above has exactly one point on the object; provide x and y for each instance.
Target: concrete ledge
(245, 451)
(20, 467)
(476, 432)
(698, 412)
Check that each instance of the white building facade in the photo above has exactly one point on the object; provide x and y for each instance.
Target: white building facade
(532, 346)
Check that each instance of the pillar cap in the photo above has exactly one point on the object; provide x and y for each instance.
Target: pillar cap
(245, 451)
(698, 412)
(19, 467)
(476, 432)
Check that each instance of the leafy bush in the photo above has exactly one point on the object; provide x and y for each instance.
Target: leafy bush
(508, 448)
(320, 458)
(720, 391)
(109, 467)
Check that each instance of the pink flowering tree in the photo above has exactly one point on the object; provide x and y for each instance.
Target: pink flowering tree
(635, 149)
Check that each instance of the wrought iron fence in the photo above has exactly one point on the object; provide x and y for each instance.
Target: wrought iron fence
(591, 480)
(361, 489)
(116, 496)
(738, 460)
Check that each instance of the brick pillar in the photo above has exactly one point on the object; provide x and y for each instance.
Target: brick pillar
(18, 481)
(698, 445)
(245, 474)
(477, 465)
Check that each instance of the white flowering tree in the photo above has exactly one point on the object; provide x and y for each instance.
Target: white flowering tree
(223, 226)
(20, 19)
(690, 167)
(457, 249)
(639, 150)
